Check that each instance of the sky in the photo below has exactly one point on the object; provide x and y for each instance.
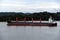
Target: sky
(29, 5)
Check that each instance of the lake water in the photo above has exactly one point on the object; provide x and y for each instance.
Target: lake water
(29, 32)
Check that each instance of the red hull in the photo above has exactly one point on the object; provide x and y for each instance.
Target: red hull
(49, 24)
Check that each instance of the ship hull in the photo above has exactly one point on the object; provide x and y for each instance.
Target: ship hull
(31, 24)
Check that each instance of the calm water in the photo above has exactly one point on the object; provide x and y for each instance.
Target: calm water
(29, 32)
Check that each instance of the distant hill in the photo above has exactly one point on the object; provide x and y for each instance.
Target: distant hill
(4, 16)
(11, 13)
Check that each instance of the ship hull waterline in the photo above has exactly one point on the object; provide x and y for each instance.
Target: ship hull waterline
(31, 24)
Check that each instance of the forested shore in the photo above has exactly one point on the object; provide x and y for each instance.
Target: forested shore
(5, 16)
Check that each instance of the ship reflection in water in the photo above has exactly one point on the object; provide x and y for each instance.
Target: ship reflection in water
(29, 32)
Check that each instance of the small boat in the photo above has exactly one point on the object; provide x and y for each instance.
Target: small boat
(24, 23)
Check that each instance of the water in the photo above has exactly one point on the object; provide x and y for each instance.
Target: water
(29, 32)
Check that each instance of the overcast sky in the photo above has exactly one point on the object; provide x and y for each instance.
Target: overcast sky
(29, 5)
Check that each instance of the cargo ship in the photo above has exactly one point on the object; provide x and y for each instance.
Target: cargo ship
(24, 23)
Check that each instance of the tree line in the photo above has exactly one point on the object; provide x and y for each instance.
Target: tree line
(5, 16)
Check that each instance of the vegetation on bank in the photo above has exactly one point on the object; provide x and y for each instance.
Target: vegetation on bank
(5, 16)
